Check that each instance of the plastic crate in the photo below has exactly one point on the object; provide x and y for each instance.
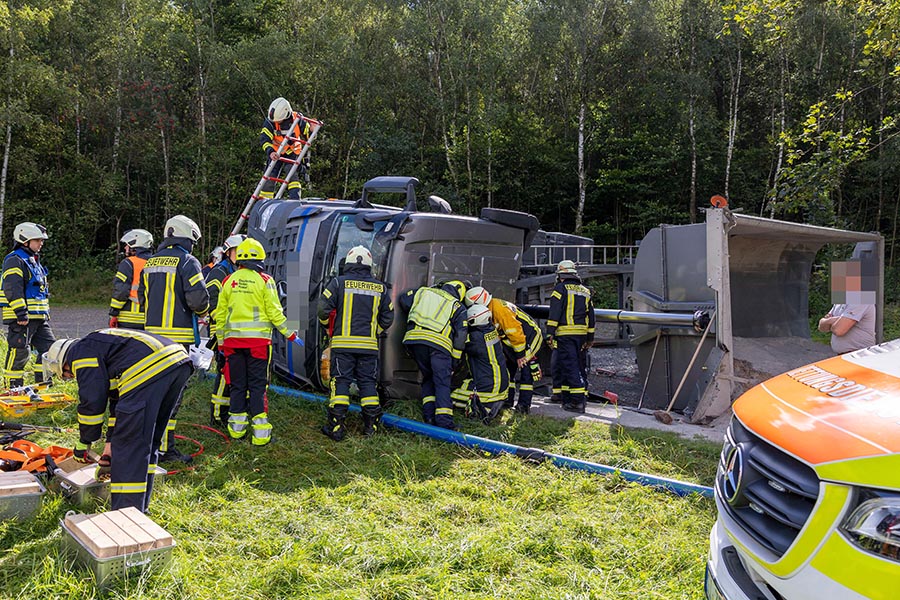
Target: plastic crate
(108, 570)
(91, 492)
(21, 506)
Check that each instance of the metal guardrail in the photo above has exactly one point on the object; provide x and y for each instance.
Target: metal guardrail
(550, 255)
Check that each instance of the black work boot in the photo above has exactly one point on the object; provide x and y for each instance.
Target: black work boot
(334, 425)
(371, 420)
(575, 407)
(172, 454)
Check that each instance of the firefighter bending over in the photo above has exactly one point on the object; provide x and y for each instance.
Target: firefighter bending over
(26, 303)
(436, 332)
(487, 365)
(125, 306)
(570, 332)
(151, 372)
(247, 311)
(363, 310)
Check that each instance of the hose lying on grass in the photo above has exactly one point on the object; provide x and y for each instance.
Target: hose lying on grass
(680, 488)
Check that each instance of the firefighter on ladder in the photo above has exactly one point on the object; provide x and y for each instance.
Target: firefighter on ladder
(125, 306)
(173, 295)
(276, 127)
(221, 390)
(26, 303)
(151, 372)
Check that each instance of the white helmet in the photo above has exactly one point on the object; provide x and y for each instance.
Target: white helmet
(359, 255)
(567, 266)
(279, 110)
(478, 314)
(29, 231)
(138, 238)
(478, 295)
(233, 241)
(182, 227)
(55, 358)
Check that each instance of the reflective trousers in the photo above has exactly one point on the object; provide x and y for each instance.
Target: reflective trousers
(21, 338)
(437, 370)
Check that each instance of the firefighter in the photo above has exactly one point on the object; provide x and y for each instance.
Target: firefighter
(214, 258)
(221, 390)
(487, 365)
(570, 332)
(26, 303)
(151, 371)
(248, 309)
(521, 342)
(125, 306)
(436, 333)
(276, 127)
(173, 295)
(363, 310)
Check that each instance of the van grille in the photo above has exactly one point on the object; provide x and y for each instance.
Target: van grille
(769, 493)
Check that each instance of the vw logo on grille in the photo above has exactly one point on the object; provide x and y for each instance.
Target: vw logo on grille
(731, 478)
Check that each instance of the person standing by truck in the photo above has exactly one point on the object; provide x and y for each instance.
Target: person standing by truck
(570, 332)
(363, 310)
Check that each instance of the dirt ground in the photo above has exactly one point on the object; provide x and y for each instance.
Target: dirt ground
(76, 321)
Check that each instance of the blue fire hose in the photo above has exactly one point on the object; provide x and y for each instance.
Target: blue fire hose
(680, 488)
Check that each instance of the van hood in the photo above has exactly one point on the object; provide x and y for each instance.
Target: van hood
(838, 409)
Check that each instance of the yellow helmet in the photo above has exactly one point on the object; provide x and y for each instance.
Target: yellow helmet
(458, 288)
(250, 249)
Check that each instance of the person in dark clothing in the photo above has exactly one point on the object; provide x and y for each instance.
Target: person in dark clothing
(277, 126)
(173, 295)
(26, 303)
(151, 372)
(218, 409)
(125, 305)
(436, 332)
(487, 365)
(570, 332)
(363, 311)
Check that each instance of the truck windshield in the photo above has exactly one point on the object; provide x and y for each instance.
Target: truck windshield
(350, 235)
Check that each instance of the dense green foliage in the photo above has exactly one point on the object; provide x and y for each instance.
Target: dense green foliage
(121, 113)
(399, 516)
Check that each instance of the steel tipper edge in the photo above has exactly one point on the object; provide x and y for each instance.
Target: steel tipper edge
(808, 486)
(680, 488)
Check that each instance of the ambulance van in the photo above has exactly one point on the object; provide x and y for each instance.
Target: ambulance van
(808, 485)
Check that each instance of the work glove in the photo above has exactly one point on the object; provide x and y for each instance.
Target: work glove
(550, 341)
(203, 321)
(81, 453)
(292, 336)
(536, 373)
(104, 468)
(113, 322)
(586, 346)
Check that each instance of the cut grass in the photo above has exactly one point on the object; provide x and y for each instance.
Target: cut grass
(398, 516)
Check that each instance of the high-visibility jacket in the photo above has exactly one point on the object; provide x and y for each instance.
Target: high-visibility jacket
(435, 318)
(26, 293)
(125, 303)
(524, 326)
(172, 292)
(363, 309)
(487, 365)
(248, 309)
(272, 135)
(131, 357)
(571, 309)
(214, 280)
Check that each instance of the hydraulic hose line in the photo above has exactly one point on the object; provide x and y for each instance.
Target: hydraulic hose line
(680, 488)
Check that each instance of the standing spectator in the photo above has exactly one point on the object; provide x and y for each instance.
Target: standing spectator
(436, 334)
(26, 303)
(247, 311)
(173, 296)
(570, 332)
(363, 310)
(125, 306)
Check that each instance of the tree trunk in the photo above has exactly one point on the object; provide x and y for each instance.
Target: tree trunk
(733, 116)
(6, 147)
(165, 152)
(579, 213)
(117, 136)
(692, 132)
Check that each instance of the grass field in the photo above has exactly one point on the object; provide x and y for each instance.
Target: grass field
(398, 516)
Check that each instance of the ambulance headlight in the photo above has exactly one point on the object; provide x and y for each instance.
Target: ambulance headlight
(874, 525)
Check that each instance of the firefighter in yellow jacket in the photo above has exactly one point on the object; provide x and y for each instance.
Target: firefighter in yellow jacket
(125, 306)
(247, 311)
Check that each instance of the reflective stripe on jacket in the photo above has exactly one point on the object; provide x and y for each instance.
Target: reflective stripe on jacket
(435, 318)
(248, 307)
(26, 294)
(172, 292)
(125, 303)
(363, 309)
(487, 363)
(214, 280)
(571, 309)
(271, 136)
